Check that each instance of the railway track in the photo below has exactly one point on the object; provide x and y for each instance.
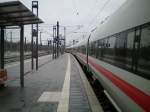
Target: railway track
(11, 59)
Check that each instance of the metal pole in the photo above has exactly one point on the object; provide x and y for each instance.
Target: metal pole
(32, 60)
(2, 47)
(55, 42)
(37, 12)
(25, 46)
(87, 58)
(64, 39)
(11, 41)
(35, 6)
(57, 38)
(22, 56)
(40, 38)
(87, 51)
(37, 49)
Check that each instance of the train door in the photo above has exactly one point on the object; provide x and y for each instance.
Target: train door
(136, 48)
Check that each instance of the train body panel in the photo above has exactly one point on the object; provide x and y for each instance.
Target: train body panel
(133, 79)
(126, 47)
(132, 14)
(119, 52)
(121, 98)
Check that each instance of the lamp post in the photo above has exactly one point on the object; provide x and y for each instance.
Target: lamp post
(87, 50)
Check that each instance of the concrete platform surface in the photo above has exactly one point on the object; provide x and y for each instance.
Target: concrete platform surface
(58, 86)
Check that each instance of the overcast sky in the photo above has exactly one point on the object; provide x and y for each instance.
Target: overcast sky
(77, 15)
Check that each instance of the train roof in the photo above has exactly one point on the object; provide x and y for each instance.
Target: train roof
(131, 14)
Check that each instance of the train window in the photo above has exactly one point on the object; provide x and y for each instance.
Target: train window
(112, 41)
(144, 60)
(83, 49)
(145, 37)
(121, 40)
(100, 48)
(89, 49)
(111, 50)
(130, 41)
(121, 49)
(96, 49)
(106, 53)
(106, 42)
(92, 49)
(121, 44)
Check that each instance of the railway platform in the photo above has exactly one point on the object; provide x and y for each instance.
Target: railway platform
(59, 85)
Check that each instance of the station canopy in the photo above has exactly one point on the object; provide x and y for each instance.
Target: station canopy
(14, 13)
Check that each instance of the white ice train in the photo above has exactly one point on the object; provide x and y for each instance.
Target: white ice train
(120, 56)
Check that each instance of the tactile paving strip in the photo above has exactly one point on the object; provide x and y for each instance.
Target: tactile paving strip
(78, 99)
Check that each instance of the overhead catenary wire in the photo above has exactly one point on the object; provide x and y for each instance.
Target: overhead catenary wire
(99, 13)
(75, 7)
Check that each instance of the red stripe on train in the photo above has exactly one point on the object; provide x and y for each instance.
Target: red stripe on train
(141, 98)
